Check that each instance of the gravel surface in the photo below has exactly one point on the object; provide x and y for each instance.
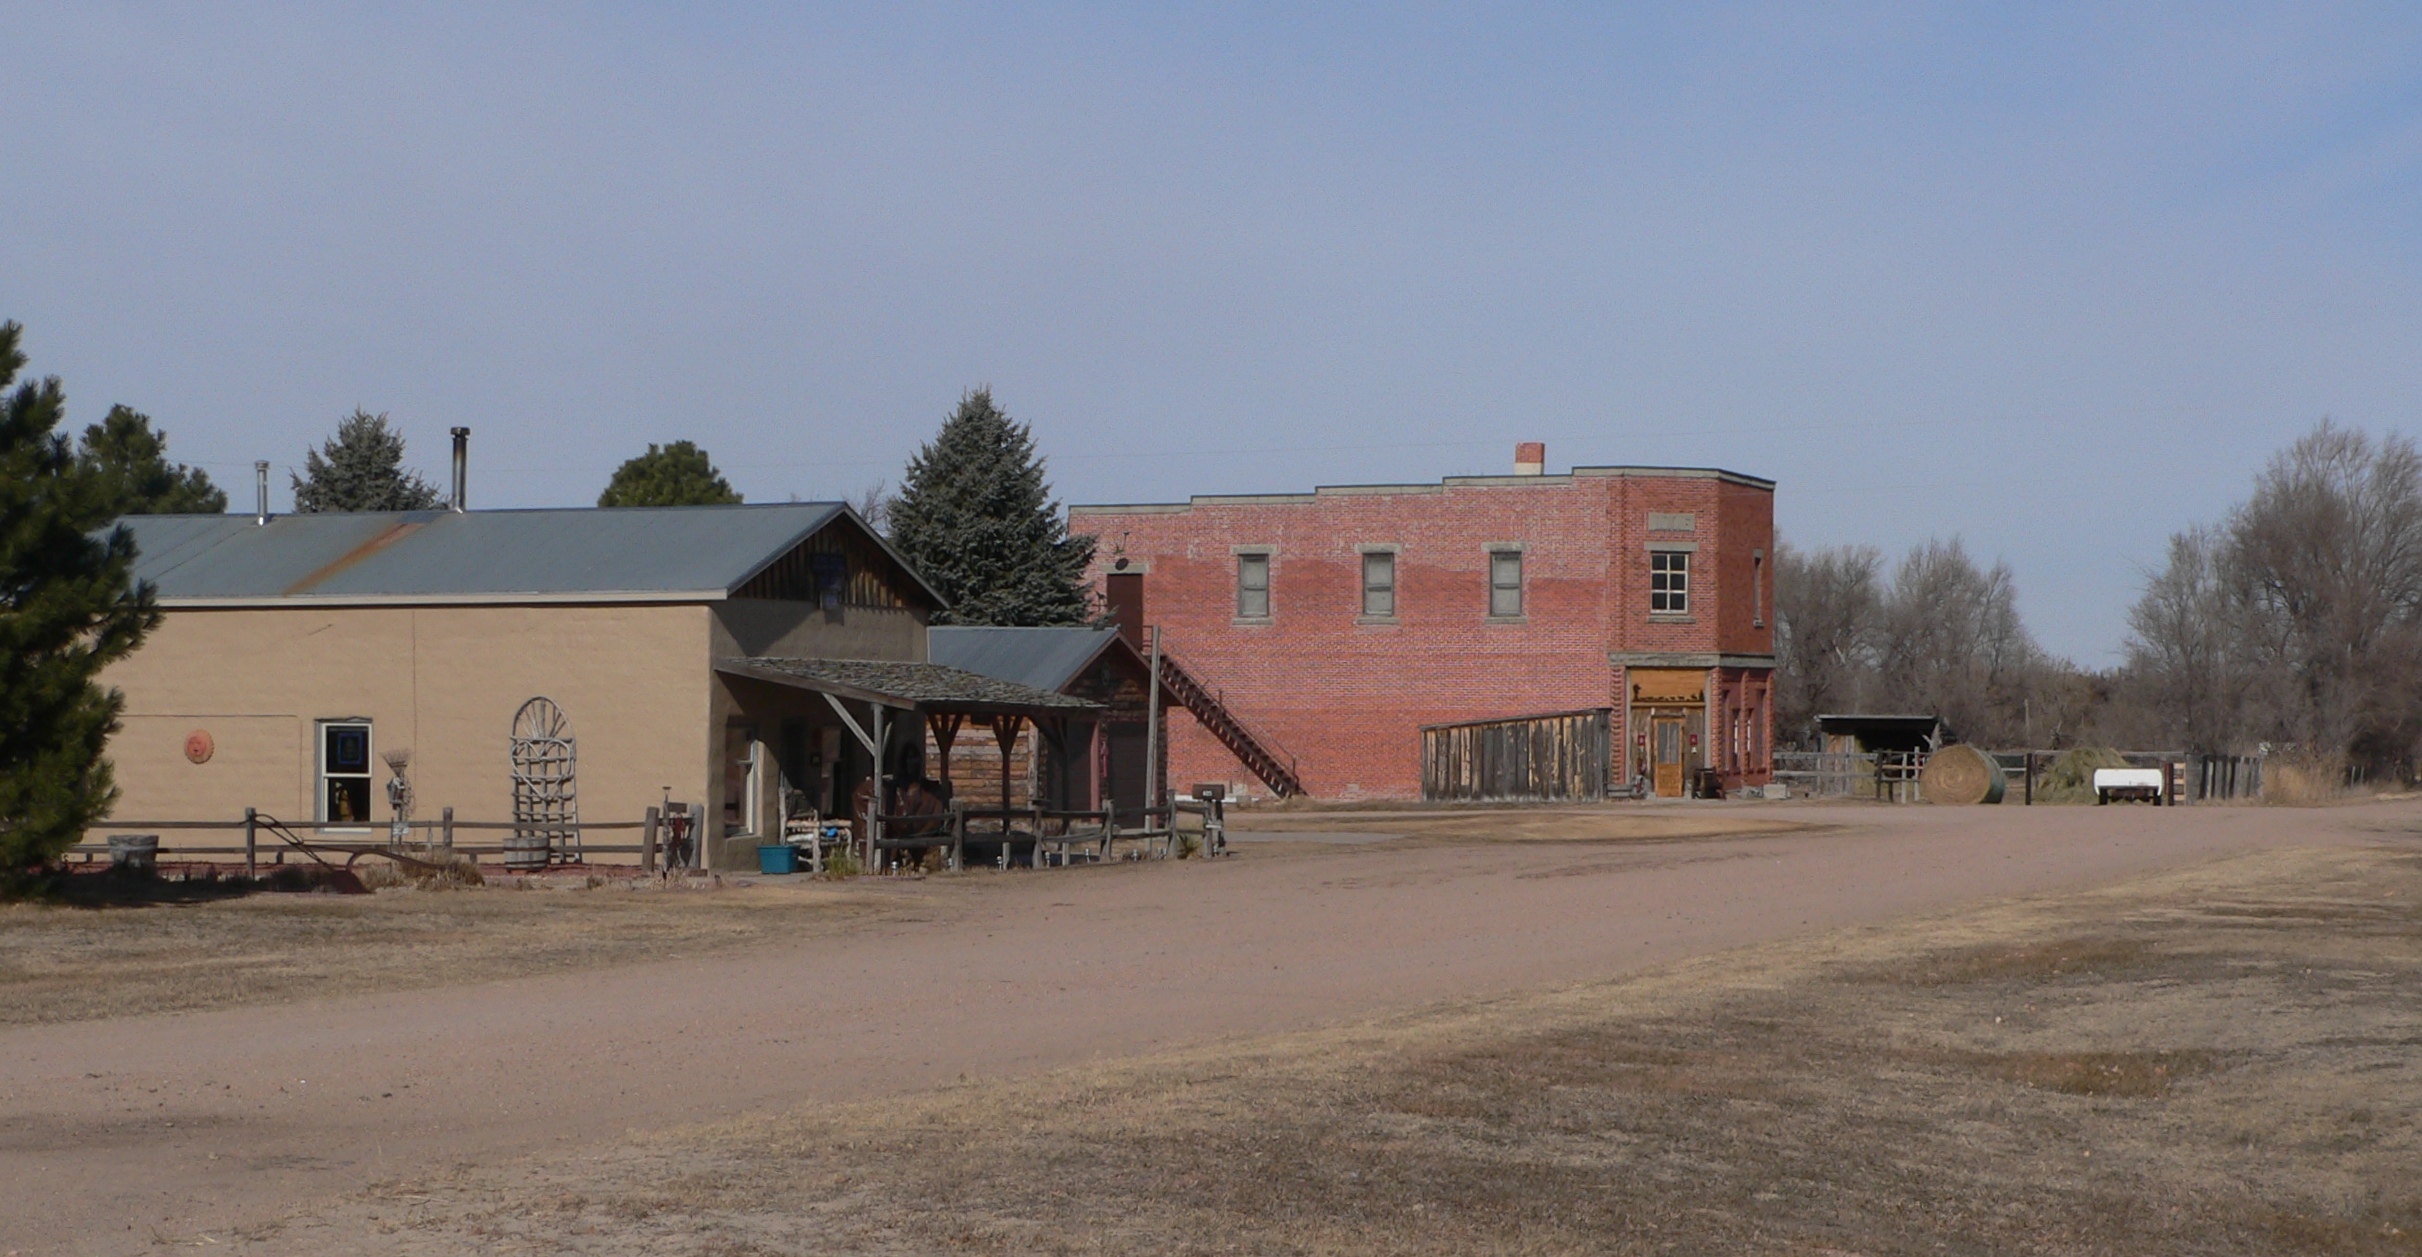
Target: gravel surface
(119, 1134)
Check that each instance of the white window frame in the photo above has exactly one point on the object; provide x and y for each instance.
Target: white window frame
(368, 775)
(1675, 562)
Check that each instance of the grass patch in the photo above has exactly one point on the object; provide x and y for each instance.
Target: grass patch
(147, 947)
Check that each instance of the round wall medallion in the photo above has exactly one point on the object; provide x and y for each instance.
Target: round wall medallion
(198, 746)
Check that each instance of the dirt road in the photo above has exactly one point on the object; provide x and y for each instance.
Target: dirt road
(117, 1134)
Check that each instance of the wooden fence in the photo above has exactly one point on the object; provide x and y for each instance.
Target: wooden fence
(258, 838)
(1559, 756)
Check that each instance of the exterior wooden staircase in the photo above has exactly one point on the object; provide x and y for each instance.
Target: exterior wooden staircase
(1275, 767)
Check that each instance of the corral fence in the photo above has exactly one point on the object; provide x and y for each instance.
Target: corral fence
(1559, 756)
(1892, 776)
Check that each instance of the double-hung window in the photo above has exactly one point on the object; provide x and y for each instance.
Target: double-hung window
(1669, 582)
(1505, 584)
(1253, 586)
(1379, 584)
(345, 772)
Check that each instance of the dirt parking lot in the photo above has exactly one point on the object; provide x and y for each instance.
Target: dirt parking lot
(2219, 1061)
(1025, 1002)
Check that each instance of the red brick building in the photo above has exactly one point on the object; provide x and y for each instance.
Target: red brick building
(1335, 624)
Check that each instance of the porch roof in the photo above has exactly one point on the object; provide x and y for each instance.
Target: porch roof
(905, 685)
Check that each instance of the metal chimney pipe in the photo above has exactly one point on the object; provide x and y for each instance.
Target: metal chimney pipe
(260, 491)
(462, 458)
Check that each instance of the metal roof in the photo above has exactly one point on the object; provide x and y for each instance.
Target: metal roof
(684, 552)
(898, 683)
(1045, 658)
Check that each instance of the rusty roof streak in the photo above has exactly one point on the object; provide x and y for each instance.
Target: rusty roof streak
(403, 528)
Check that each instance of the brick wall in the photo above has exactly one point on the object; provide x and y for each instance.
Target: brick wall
(1346, 694)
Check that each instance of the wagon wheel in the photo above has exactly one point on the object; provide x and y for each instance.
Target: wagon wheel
(541, 718)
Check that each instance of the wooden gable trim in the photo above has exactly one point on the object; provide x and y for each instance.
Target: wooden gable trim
(841, 558)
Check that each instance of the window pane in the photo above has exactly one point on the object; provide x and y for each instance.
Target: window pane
(1253, 585)
(1505, 583)
(349, 800)
(348, 749)
(1379, 584)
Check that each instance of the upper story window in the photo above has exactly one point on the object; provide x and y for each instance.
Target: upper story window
(1668, 582)
(1379, 584)
(1505, 583)
(1253, 586)
(345, 772)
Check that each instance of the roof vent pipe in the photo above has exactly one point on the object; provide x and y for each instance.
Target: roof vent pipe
(1530, 458)
(260, 491)
(462, 456)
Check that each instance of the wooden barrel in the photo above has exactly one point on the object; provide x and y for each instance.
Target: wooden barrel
(526, 850)
(1960, 774)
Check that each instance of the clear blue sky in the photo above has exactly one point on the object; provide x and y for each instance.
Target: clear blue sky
(2056, 280)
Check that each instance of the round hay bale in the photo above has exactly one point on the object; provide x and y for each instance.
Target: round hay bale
(1960, 774)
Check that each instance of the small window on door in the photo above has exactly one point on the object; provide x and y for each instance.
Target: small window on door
(345, 772)
(1505, 583)
(1379, 584)
(1668, 582)
(1253, 587)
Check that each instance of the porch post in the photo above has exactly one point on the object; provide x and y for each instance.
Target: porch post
(875, 804)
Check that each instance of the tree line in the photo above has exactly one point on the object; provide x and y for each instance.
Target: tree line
(2294, 624)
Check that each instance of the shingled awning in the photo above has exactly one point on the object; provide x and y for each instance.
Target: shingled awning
(893, 683)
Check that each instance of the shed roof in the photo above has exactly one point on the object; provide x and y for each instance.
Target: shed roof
(635, 553)
(899, 683)
(1044, 658)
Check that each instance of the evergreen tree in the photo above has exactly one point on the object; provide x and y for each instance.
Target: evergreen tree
(131, 462)
(361, 468)
(679, 474)
(68, 607)
(975, 515)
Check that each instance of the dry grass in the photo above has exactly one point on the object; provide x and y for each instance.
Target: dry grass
(1515, 822)
(111, 958)
(2219, 1062)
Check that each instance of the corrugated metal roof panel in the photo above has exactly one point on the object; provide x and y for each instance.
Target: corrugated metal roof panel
(420, 554)
(1044, 658)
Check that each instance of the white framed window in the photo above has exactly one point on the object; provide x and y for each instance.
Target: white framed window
(1505, 584)
(345, 778)
(1252, 586)
(1668, 582)
(743, 758)
(1379, 584)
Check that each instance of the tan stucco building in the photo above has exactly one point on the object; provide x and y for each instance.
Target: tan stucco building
(688, 648)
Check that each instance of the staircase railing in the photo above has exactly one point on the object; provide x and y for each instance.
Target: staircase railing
(1257, 752)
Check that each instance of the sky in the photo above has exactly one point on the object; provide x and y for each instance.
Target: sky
(2055, 280)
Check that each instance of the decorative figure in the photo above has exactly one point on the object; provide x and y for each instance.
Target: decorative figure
(546, 804)
(399, 796)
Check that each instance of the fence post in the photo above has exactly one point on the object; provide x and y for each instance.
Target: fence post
(446, 829)
(252, 824)
(2030, 771)
(647, 843)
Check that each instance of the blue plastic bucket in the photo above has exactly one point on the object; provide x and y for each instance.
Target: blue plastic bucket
(777, 859)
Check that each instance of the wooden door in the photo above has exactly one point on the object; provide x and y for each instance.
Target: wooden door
(1665, 755)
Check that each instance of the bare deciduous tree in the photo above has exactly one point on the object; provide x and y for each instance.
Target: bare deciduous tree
(1828, 603)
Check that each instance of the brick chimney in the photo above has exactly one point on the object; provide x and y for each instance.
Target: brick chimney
(1530, 458)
